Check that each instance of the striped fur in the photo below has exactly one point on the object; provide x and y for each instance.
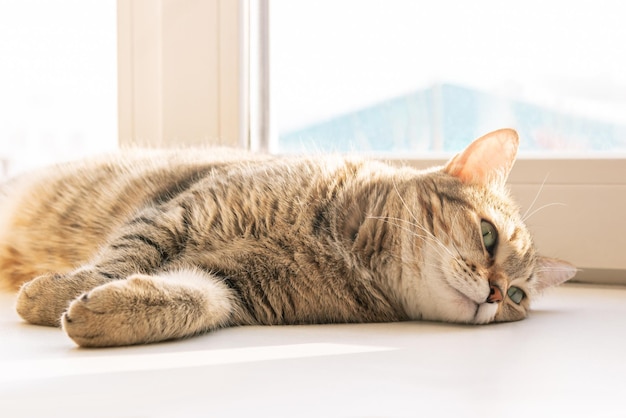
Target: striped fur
(145, 247)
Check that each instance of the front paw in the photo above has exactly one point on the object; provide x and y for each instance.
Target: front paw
(102, 317)
(85, 320)
(41, 302)
(140, 309)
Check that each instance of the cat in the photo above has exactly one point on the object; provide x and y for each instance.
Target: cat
(151, 246)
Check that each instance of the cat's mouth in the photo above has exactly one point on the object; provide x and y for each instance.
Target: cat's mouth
(486, 311)
(475, 300)
(481, 309)
(474, 295)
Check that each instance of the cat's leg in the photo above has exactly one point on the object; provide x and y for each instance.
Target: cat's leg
(142, 246)
(144, 309)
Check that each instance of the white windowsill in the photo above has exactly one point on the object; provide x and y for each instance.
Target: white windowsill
(550, 364)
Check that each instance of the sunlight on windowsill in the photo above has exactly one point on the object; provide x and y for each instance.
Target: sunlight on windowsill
(76, 366)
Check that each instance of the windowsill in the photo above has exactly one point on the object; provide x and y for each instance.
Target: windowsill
(547, 363)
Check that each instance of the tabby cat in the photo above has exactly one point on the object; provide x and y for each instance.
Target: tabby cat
(146, 247)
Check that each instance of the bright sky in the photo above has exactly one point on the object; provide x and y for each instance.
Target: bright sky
(335, 56)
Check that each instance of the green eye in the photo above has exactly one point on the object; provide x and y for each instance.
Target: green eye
(490, 236)
(516, 294)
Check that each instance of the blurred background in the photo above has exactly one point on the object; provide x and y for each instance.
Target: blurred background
(405, 75)
(58, 81)
(393, 77)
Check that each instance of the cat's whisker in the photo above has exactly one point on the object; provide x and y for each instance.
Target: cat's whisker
(420, 227)
(411, 263)
(530, 212)
(536, 196)
(417, 223)
(440, 248)
(555, 269)
(395, 187)
(524, 219)
(413, 233)
(429, 235)
(456, 260)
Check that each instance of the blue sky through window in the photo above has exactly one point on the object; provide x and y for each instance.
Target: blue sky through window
(411, 74)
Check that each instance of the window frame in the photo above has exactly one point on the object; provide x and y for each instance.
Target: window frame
(183, 72)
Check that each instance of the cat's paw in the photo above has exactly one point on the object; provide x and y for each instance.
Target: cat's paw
(102, 317)
(41, 300)
(132, 311)
(145, 309)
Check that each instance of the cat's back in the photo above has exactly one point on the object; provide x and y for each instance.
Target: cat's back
(55, 218)
(113, 181)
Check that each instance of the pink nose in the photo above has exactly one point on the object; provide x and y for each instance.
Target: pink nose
(495, 294)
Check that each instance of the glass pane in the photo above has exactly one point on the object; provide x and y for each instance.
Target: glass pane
(58, 81)
(393, 76)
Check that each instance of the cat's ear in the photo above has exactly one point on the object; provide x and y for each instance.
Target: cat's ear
(551, 272)
(488, 160)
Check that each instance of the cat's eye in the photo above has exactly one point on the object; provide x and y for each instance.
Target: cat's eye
(516, 294)
(490, 236)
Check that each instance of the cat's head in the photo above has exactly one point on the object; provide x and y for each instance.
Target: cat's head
(477, 261)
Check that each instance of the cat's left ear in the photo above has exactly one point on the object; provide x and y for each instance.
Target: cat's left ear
(488, 160)
(551, 272)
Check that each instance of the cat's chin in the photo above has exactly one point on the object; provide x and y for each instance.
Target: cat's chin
(470, 307)
(475, 313)
(485, 313)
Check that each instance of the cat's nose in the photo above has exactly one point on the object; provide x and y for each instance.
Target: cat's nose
(495, 294)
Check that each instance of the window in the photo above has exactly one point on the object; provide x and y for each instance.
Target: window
(58, 81)
(421, 76)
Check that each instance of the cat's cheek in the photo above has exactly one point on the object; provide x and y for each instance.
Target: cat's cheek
(511, 313)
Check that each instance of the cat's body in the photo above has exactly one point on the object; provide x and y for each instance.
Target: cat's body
(140, 248)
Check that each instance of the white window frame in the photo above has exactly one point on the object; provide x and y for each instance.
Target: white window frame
(226, 102)
(182, 72)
